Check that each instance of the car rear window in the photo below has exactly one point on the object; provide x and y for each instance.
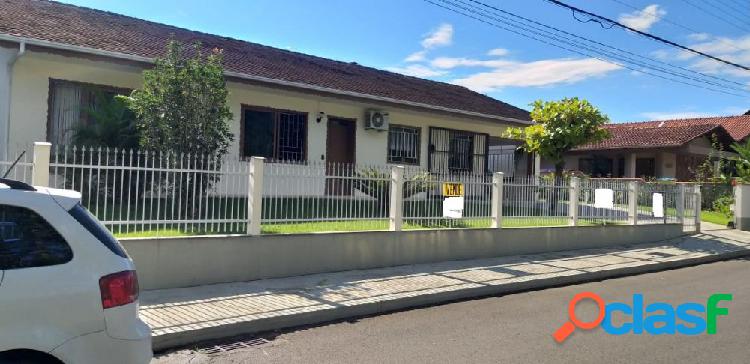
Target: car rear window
(88, 221)
(27, 240)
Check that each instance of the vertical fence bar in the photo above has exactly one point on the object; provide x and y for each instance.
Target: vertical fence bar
(40, 166)
(396, 215)
(633, 193)
(697, 206)
(497, 200)
(255, 195)
(575, 191)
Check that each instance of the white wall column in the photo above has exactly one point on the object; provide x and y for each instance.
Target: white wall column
(497, 200)
(255, 195)
(396, 207)
(7, 56)
(630, 165)
(40, 169)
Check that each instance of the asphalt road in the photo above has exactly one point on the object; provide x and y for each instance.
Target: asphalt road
(515, 329)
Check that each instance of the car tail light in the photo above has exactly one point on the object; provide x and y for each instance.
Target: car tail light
(119, 288)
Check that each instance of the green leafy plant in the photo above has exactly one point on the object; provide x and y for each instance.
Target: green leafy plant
(724, 205)
(742, 161)
(182, 110)
(111, 124)
(377, 184)
(560, 126)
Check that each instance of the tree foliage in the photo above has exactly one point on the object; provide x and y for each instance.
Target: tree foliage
(560, 126)
(112, 125)
(742, 161)
(182, 107)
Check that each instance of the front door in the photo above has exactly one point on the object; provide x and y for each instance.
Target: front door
(340, 144)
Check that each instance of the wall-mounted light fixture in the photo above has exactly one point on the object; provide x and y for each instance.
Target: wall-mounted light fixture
(321, 117)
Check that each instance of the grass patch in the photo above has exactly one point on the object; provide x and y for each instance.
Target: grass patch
(373, 225)
(715, 217)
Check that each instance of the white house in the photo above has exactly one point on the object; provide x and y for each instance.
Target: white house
(286, 105)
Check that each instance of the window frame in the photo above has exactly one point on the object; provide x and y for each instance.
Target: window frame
(419, 144)
(67, 259)
(473, 155)
(276, 120)
(56, 81)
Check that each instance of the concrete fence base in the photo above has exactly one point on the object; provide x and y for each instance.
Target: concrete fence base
(192, 261)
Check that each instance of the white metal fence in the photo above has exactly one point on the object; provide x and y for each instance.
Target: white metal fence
(134, 192)
(137, 193)
(17, 166)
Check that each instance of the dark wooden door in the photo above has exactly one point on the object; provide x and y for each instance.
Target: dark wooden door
(340, 149)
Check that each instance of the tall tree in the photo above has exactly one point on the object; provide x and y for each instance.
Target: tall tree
(560, 126)
(182, 107)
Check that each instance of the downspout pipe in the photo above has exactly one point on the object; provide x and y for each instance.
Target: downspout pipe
(9, 84)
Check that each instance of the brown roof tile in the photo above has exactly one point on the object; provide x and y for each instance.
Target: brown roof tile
(625, 137)
(84, 27)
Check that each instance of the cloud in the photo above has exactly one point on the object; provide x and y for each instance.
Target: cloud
(442, 36)
(449, 63)
(670, 115)
(417, 70)
(735, 50)
(643, 19)
(537, 74)
(699, 37)
(498, 52)
(416, 56)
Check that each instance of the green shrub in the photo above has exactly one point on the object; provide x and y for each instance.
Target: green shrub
(723, 205)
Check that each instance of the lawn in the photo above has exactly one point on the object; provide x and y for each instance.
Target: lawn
(371, 225)
(715, 217)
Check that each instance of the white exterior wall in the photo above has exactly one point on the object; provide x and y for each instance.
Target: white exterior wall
(30, 92)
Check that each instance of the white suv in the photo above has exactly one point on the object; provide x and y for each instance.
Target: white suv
(68, 290)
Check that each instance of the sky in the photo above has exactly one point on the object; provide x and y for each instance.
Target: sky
(417, 38)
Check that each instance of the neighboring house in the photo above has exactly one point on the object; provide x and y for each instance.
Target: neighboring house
(286, 105)
(657, 149)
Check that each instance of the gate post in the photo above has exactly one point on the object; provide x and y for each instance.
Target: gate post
(633, 192)
(573, 197)
(742, 207)
(396, 213)
(680, 205)
(497, 200)
(40, 166)
(255, 195)
(697, 207)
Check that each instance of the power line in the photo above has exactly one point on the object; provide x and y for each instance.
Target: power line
(730, 5)
(718, 16)
(668, 21)
(481, 17)
(607, 46)
(647, 35)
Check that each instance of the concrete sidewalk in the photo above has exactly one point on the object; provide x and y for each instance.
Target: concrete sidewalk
(188, 315)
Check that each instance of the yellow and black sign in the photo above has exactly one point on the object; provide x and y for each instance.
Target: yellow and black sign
(452, 189)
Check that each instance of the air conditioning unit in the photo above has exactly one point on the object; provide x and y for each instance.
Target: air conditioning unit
(377, 120)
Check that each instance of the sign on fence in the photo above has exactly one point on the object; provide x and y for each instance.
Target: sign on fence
(658, 205)
(452, 189)
(604, 198)
(453, 207)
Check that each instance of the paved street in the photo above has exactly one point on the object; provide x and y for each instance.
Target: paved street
(513, 328)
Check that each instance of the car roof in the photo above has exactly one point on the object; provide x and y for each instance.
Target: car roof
(67, 199)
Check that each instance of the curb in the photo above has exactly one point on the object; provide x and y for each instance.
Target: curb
(184, 338)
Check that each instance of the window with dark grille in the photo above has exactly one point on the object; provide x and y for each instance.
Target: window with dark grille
(457, 151)
(273, 134)
(403, 144)
(27, 240)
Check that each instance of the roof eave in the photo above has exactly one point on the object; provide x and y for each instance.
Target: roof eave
(243, 76)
